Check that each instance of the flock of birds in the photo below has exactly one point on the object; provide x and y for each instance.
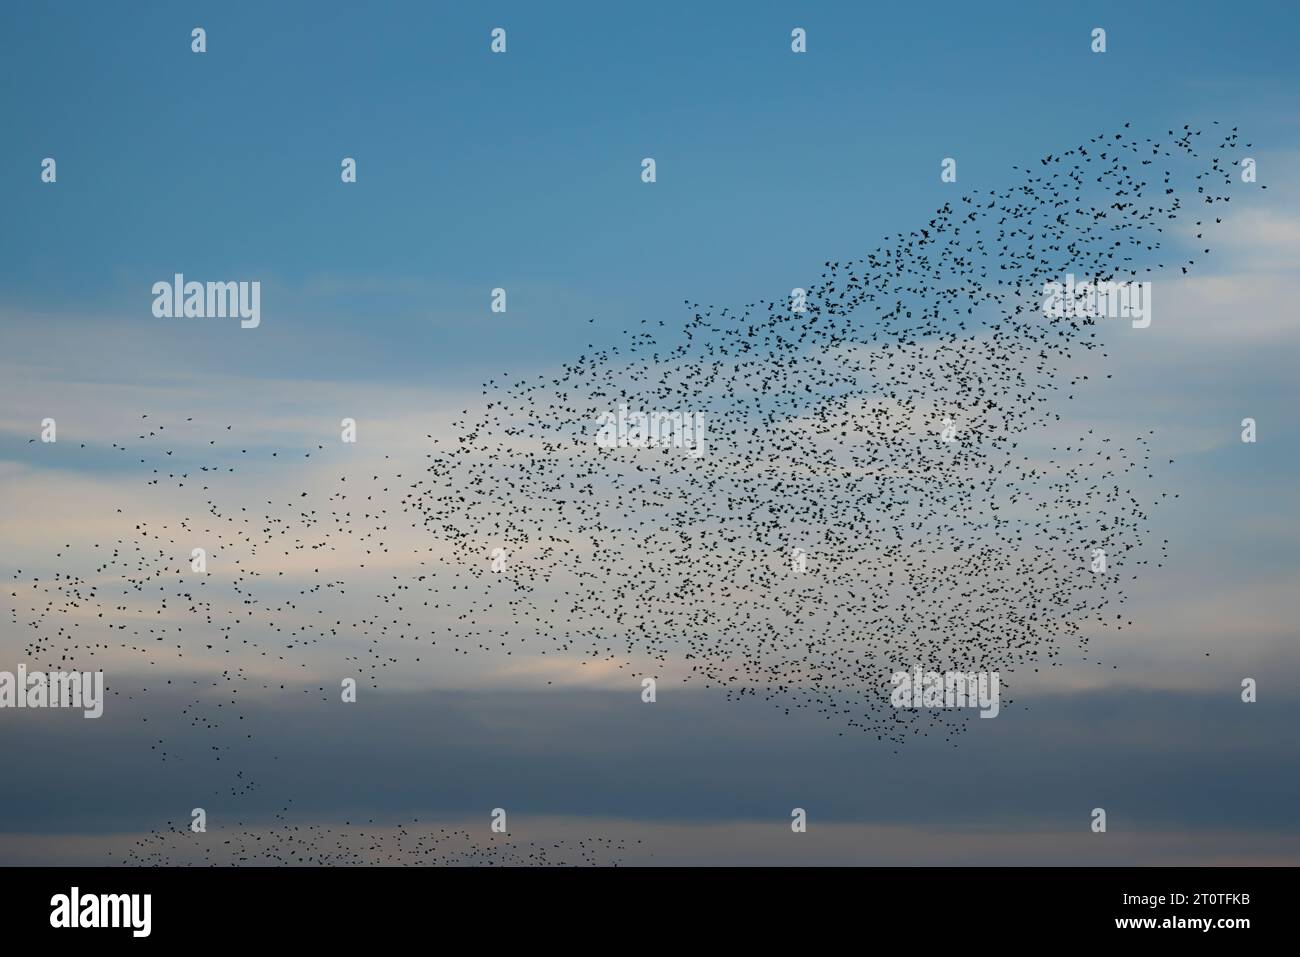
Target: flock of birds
(880, 431)
(401, 845)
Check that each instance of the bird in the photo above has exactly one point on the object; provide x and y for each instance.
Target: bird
(920, 544)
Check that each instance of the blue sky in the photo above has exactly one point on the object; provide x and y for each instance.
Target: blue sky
(523, 171)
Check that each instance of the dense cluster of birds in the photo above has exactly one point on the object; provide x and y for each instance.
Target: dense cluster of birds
(867, 499)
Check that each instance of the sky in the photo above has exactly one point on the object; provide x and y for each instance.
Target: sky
(523, 171)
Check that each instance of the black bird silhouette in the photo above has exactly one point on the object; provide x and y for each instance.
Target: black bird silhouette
(879, 428)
